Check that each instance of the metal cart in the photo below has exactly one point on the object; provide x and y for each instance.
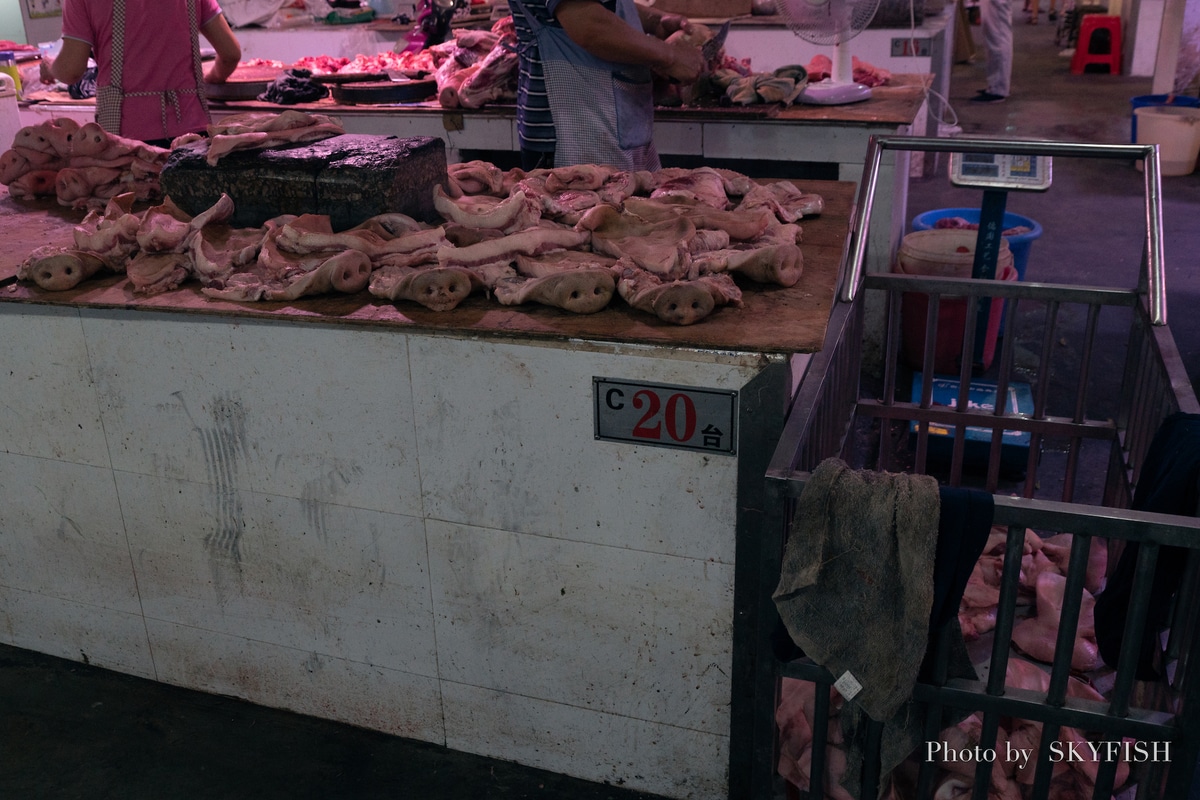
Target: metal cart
(833, 413)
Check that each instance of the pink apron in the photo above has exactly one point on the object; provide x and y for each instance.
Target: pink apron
(110, 98)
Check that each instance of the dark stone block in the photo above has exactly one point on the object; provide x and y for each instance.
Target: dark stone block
(350, 178)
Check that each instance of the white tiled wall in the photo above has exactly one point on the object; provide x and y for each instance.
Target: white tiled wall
(412, 533)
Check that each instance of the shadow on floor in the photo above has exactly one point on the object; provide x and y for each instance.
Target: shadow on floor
(68, 730)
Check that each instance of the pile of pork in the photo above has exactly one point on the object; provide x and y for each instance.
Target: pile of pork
(869, 75)
(478, 67)
(472, 68)
(667, 243)
(956, 750)
(80, 165)
(1041, 589)
(85, 166)
(475, 67)
(260, 130)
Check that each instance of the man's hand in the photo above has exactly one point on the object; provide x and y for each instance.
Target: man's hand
(686, 62)
(671, 23)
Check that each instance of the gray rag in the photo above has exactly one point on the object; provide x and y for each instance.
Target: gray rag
(856, 584)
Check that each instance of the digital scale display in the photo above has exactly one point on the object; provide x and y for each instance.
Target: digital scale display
(993, 171)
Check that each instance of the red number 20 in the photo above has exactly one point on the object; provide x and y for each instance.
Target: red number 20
(681, 430)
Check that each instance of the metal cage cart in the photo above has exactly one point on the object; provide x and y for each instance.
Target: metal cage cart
(861, 412)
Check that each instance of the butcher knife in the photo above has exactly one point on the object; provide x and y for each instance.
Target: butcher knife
(712, 48)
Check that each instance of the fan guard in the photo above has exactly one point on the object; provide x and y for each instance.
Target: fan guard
(830, 22)
(827, 22)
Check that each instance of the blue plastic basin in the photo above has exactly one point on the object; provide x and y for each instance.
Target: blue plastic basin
(1019, 244)
(1158, 100)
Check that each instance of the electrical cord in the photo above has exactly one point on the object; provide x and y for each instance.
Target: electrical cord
(939, 114)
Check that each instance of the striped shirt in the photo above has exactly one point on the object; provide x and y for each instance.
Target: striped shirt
(535, 123)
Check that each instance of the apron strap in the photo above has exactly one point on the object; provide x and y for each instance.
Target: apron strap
(197, 67)
(108, 107)
(529, 18)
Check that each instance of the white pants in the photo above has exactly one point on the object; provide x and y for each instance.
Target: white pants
(996, 16)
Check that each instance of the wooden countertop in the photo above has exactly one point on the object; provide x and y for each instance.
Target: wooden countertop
(773, 320)
(897, 104)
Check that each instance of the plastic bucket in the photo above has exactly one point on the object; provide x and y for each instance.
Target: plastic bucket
(946, 254)
(1019, 244)
(1157, 100)
(1176, 131)
(10, 116)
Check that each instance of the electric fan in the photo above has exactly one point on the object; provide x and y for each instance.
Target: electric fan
(833, 22)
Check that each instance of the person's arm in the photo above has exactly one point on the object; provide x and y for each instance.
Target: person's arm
(605, 35)
(229, 51)
(661, 25)
(71, 63)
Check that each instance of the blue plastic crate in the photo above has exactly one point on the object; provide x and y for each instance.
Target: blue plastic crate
(1014, 445)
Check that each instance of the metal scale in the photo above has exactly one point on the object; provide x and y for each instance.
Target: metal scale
(996, 175)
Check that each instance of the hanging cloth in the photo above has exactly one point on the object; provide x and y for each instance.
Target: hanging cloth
(875, 563)
(603, 111)
(110, 98)
(1169, 483)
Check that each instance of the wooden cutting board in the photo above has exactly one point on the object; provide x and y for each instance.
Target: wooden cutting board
(351, 77)
(379, 92)
(246, 83)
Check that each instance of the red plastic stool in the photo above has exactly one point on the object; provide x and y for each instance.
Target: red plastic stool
(1088, 51)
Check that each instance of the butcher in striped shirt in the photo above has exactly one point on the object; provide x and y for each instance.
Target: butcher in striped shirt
(583, 93)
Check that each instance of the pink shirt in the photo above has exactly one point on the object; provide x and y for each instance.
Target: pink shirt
(158, 57)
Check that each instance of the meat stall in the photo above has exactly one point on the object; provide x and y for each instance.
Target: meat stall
(804, 142)
(1066, 672)
(510, 531)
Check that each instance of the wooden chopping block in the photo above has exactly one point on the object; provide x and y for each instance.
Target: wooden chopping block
(350, 178)
(246, 83)
(368, 92)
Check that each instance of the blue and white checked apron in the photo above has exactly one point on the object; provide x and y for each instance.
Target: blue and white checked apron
(110, 98)
(603, 112)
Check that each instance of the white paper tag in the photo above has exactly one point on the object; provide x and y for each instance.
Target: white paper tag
(847, 685)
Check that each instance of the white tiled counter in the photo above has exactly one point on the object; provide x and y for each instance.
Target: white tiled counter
(417, 534)
(394, 518)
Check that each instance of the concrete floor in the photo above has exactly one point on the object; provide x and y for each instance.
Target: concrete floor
(68, 730)
(1093, 214)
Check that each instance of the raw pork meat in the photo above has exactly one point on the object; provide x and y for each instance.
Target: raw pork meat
(436, 288)
(743, 225)
(703, 186)
(346, 272)
(531, 242)
(258, 130)
(784, 199)
(476, 177)
(1036, 637)
(678, 302)
(57, 269)
(821, 67)
(510, 215)
(778, 264)
(37, 183)
(580, 291)
(495, 77)
(111, 234)
(658, 247)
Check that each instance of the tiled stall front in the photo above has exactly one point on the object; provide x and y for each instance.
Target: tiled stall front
(414, 533)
